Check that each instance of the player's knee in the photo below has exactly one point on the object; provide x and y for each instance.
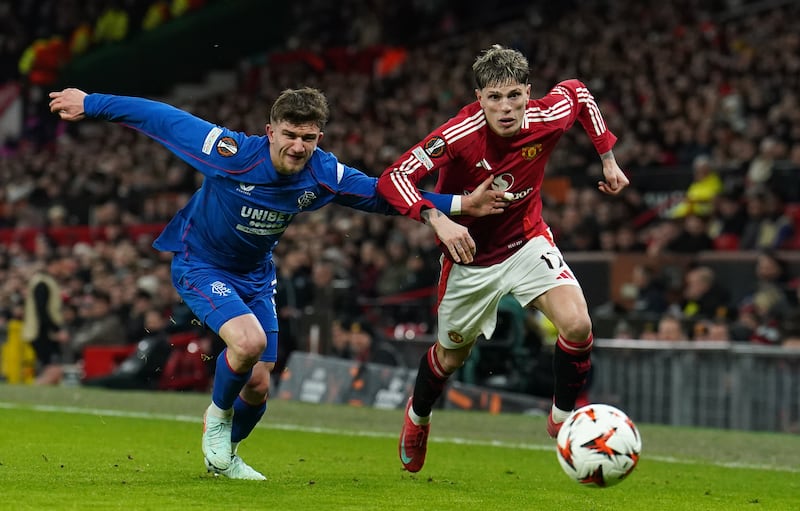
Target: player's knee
(248, 346)
(452, 360)
(577, 329)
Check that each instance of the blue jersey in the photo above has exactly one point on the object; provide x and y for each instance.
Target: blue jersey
(235, 219)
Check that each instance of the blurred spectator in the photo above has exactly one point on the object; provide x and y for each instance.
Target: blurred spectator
(772, 272)
(650, 291)
(692, 238)
(706, 185)
(145, 367)
(727, 222)
(366, 345)
(340, 339)
(156, 15)
(331, 299)
(100, 325)
(624, 330)
(135, 314)
(607, 240)
(293, 294)
(627, 240)
(180, 7)
(660, 235)
(760, 170)
(790, 328)
(112, 25)
(707, 330)
(703, 296)
(767, 225)
(762, 312)
(43, 320)
(645, 296)
(669, 328)
(395, 277)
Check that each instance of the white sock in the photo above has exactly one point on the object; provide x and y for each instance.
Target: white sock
(559, 415)
(416, 419)
(216, 411)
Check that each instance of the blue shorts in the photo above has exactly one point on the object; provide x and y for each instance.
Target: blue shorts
(216, 295)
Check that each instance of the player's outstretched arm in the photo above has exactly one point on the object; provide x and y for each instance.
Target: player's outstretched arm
(68, 104)
(454, 236)
(616, 180)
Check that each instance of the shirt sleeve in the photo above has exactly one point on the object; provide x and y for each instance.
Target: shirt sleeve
(398, 183)
(211, 149)
(358, 190)
(586, 112)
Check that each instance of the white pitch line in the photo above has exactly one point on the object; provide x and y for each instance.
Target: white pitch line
(371, 434)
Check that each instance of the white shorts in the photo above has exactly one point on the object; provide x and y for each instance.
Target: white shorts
(469, 304)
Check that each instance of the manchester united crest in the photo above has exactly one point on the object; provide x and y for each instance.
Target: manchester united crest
(531, 151)
(455, 337)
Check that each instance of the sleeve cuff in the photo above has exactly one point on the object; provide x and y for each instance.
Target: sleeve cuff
(455, 205)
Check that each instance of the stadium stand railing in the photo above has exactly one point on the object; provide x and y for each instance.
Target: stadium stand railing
(703, 384)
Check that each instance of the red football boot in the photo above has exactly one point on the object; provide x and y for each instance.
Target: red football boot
(553, 427)
(413, 443)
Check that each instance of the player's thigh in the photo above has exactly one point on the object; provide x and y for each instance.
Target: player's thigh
(259, 324)
(540, 277)
(468, 307)
(214, 302)
(216, 297)
(565, 306)
(537, 268)
(264, 310)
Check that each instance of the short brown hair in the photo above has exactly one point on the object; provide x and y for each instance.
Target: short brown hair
(300, 106)
(500, 66)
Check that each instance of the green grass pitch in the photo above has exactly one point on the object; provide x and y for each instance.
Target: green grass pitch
(78, 448)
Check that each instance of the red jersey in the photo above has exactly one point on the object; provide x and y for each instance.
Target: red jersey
(465, 151)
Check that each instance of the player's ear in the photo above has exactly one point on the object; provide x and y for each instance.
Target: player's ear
(270, 132)
(319, 138)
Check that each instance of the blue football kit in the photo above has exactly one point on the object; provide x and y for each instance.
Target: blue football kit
(223, 238)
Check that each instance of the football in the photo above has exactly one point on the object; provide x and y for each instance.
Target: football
(598, 445)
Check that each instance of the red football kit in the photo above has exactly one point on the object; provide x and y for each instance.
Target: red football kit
(465, 151)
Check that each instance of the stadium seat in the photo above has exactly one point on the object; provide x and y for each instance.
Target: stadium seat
(185, 369)
(102, 360)
(727, 241)
(793, 212)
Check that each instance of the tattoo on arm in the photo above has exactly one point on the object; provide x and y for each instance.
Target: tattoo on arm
(429, 214)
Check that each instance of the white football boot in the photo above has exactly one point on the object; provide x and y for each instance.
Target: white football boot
(237, 469)
(217, 440)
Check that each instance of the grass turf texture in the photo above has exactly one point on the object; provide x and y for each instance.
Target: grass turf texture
(78, 448)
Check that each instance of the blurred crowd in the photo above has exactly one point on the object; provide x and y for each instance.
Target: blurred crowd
(39, 37)
(705, 90)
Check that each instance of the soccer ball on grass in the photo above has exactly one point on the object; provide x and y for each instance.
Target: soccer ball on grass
(598, 445)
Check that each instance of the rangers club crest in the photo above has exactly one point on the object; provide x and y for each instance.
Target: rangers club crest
(306, 199)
